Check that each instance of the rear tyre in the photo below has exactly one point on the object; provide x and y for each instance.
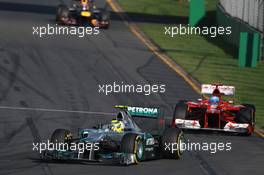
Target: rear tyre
(133, 144)
(180, 111)
(105, 16)
(247, 115)
(253, 111)
(171, 141)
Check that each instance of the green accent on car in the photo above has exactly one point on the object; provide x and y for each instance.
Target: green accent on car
(141, 111)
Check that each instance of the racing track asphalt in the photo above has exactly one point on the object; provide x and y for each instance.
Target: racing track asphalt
(63, 72)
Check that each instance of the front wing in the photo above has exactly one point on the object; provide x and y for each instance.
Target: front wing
(229, 127)
(113, 158)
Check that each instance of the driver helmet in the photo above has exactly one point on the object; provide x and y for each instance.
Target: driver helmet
(214, 100)
(117, 126)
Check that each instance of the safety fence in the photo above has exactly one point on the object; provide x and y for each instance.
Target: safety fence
(242, 16)
(249, 11)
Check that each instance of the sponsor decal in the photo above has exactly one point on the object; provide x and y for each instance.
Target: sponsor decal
(143, 111)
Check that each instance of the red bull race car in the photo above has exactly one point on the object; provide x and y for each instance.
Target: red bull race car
(82, 12)
(215, 113)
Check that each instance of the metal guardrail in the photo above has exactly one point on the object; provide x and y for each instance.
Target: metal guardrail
(250, 12)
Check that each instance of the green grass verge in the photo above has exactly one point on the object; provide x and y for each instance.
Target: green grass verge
(202, 58)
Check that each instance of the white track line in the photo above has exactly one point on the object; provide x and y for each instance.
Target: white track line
(55, 110)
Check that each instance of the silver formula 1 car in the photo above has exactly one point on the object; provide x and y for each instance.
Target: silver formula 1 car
(120, 142)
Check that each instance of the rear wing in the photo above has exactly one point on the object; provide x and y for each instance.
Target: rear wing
(208, 89)
(148, 112)
(149, 119)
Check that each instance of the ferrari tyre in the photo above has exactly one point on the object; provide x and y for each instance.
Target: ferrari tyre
(180, 110)
(253, 111)
(171, 143)
(133, 144)
(247, 114)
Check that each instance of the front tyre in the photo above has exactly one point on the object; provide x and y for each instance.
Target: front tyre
(133, 144)
(171, 143)
(60, 136)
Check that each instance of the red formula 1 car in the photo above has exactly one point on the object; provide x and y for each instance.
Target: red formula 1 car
(82, 12)
(214, 113)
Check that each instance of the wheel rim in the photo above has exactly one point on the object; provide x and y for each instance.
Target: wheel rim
(181, 141)
(139, 150)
